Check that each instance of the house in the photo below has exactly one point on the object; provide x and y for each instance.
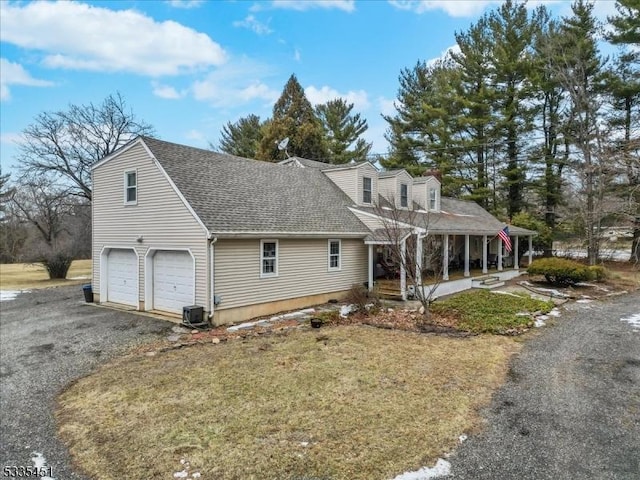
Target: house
(175, 226)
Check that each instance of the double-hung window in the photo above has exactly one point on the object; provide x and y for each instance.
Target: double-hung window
(335, 261)
(131, 187)
(432, 198)
(404, 195)
(366, 189)
(268, 258)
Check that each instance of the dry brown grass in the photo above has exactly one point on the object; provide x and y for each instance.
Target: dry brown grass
(623, 275)
(342, 403)
(20, 276)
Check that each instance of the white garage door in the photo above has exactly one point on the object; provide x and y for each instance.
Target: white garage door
(173, 281)
(122, 277)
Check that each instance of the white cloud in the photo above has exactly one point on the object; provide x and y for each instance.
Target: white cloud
(316, 96)
(186, 4)
(453, 8)
(387, 106)
(15, 74)
(445, 55)
(252, 23)
(238, 83)
(10, 138)
(195, 135)
(302, 5)
(296, 55)
(166, 91)
(78, 36)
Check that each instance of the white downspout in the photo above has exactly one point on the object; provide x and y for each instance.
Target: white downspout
(212, 241)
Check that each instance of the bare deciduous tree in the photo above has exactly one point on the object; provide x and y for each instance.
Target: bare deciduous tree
(65, 144)
(415, 252)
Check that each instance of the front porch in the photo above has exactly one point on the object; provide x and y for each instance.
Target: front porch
(444, 264)
(391, 288)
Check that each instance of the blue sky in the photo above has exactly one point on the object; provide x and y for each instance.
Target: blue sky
(187, 66)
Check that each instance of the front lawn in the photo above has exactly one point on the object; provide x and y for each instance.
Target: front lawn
(20, 276)
(345, 402)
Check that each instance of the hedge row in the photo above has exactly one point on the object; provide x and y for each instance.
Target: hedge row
(560, 271)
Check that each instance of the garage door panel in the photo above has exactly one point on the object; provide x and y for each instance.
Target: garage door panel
(122, 277)
(173, 281)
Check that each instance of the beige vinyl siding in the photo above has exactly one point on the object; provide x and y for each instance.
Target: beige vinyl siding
(302, 270)
(390, 188)
(159, 216)
(420, 194)
(367, 170)
(345, 180)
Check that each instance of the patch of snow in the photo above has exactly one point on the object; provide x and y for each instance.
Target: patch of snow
(554, 312)
(633, 320)
(304, 444)
(41, 463)
(540, 321)
(242, 326)
(195, 475)
(346, 310)
(462, 438)
(442, 468)
(523, 314)
(584, 284)
(584, 300)
(6, 295)
(181, 474)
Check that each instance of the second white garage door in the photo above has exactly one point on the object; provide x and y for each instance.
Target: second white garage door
(173, 282)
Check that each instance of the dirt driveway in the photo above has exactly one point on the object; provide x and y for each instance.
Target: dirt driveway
(47, 339)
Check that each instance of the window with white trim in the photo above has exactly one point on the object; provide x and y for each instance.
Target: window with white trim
(335, 251)
(433, 195)
(404, 195)
(366, 190)
(268, 258)
(131, 187)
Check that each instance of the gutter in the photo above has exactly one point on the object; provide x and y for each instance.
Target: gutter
(212, 240)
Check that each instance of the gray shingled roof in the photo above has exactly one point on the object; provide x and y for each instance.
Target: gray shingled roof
(455, 217)
(391, 173)
(232, 194)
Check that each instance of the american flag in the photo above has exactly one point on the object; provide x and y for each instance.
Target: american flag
(506, 240)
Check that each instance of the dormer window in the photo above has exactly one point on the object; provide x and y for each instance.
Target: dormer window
(131, 187)
(432, 198)
(366, 189)
(404, 195)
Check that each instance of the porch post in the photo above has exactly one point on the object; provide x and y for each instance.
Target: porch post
(370, 276)
(499, 254)
(516, 264)
(466, 256)
(484, 255)
(445, 258)
(418, 260)
(530, 249)
(403, 270)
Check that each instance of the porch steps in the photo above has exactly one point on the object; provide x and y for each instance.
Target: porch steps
(389, 294)
(487, 282)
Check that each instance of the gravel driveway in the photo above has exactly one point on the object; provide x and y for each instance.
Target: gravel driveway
(571, 406)
(47, 339)
(570, 409)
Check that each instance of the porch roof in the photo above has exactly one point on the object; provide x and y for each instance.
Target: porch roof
(456, 217)
(384, 236)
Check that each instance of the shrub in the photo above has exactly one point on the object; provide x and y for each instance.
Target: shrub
(598, 273)
(57, 265)
(560, 271)
(359, 296)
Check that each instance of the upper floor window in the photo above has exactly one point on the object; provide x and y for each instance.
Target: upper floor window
(404, 195)
(366, 189)
(432, 198)
(268, 258)
(334, 255)
(131, 187)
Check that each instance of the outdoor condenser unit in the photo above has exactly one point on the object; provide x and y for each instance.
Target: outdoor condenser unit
(193, 315)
